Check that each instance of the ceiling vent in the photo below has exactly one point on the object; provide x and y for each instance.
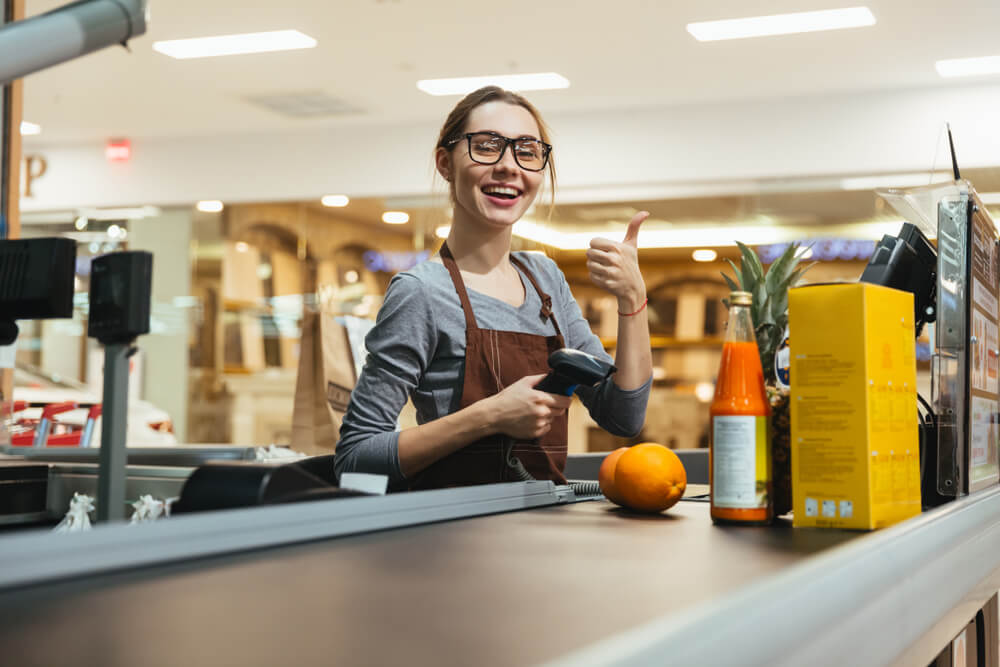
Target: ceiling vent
(304, 104)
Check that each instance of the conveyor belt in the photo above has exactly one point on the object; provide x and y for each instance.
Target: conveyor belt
(515, 588)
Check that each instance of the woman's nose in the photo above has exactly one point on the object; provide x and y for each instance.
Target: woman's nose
(507, 161)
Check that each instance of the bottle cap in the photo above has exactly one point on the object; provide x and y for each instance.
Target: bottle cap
(740, 298)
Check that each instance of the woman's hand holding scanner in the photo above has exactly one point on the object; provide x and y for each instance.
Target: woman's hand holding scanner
(614, 267)
(523, 412)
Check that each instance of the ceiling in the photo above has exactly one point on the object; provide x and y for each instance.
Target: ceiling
(629, 54)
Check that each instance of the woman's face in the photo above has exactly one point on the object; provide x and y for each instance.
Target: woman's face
(494, 194)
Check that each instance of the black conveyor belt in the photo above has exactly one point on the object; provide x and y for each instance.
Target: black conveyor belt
(514, 588)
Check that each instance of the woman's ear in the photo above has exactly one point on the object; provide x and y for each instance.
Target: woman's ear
(442, 160)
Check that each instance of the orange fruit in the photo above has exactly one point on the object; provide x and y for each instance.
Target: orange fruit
(606, 475)
(649, 478)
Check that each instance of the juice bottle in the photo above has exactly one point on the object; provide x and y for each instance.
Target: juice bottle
(739, 447)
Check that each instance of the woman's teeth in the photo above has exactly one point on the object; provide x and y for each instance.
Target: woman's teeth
(497, 191)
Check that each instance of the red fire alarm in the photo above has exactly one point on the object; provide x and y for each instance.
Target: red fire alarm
(118, 150)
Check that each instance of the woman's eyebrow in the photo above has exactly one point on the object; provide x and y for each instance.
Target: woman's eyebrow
(522, 136)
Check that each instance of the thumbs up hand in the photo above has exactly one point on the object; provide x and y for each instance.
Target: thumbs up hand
(614, 267)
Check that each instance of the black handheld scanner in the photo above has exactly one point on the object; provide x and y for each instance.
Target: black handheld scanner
(571, 368)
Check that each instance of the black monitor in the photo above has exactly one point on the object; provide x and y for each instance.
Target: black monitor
(36, 281)
(907, 262)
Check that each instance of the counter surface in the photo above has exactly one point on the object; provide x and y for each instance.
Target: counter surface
(514, 588)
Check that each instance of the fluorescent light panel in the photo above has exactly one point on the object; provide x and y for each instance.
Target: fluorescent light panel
(231, 45)
(968, 66)
(894, 180)
(756, 233)
(464, 85)
(136, 213)
(782, 24)
(30, 128)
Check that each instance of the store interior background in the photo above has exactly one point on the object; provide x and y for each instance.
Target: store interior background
(760, 140)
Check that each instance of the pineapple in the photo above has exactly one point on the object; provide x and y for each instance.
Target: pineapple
(769, 312)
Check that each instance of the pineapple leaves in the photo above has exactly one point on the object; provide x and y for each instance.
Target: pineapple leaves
(733, 287)
(752, 269)
(780, 269)
(769, 305)
(739, 276)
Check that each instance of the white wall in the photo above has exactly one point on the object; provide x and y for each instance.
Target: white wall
(613, 155)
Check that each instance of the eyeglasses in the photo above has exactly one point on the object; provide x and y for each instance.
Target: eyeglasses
(489, 147)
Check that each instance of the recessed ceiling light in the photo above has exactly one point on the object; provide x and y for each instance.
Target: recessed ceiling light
(464, 85)
(209, 206)
(704, 255)
(968, 66)
(704, 391)
(30, 128)
(231, 45)
(395, 217)
(335, 201)
(781, 24)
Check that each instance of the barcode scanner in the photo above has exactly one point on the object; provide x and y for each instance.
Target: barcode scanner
(571, 368)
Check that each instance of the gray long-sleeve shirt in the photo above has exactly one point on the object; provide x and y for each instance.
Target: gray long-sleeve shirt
(417, 349)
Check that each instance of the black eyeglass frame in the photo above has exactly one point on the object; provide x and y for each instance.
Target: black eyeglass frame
(507, 142)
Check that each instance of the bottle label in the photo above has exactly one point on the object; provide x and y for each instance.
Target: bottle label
(741, 462)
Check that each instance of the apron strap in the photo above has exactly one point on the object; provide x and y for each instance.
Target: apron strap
(546, 312)
(449, 262)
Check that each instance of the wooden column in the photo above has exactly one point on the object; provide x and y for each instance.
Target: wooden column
(10, 158)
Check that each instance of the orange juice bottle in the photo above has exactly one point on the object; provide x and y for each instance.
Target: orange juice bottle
(739, 448)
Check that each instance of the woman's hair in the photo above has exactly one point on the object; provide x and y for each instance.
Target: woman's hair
(455, 123)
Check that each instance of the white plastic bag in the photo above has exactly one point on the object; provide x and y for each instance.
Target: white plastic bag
(147, 509)
(78, 516)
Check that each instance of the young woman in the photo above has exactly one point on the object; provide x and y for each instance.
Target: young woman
(467, 334)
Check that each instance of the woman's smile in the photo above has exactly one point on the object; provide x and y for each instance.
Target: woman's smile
(502, 195)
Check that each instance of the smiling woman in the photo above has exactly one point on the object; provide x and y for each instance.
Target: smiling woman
(467, 335)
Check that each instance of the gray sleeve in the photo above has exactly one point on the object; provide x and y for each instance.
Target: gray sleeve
(617, 411)
(400, 347)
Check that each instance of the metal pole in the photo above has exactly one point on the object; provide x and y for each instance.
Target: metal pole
(113, 458)
(68, 32)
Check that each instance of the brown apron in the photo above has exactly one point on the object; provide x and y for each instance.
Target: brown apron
(494, 360)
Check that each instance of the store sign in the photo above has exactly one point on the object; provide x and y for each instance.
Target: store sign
(34, 168)
(393, 261)
(823, 250)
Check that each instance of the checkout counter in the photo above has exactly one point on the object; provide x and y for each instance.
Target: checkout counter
(521, 573)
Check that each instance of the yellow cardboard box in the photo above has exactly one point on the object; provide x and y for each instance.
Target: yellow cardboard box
(855, 449)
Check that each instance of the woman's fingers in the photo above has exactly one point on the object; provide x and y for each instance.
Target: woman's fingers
(602, 257)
